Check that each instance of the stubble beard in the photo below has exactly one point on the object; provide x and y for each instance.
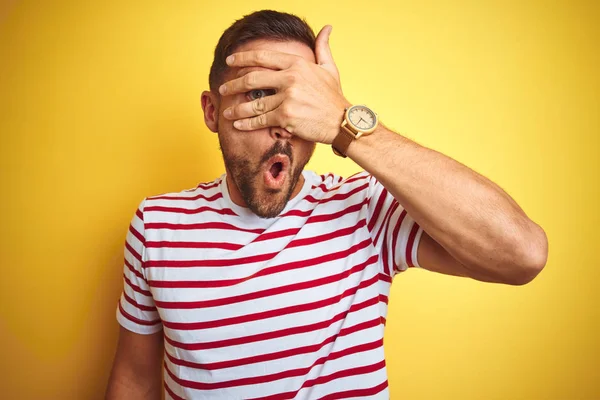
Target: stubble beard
(271, 202)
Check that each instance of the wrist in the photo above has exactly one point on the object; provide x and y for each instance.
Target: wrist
(337, 119)
(359, 121)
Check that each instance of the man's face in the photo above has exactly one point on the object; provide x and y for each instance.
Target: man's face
(266, 164)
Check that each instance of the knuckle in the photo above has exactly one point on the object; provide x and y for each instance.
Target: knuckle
(293, 77)
(262, 120)
(249, 79)
(258, 105)
(261, 56)
(291, 91)
(286, 111)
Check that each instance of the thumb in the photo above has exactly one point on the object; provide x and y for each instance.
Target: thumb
(323, 52)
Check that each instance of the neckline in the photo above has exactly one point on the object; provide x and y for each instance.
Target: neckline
(245, 213)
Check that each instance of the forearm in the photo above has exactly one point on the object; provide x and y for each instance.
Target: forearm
(120, 387)
(137, 368)
(471, 217)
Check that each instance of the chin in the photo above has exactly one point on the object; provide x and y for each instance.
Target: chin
(270, 204)
(268, 210)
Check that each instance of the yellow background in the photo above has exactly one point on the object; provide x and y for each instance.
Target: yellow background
(100, 106)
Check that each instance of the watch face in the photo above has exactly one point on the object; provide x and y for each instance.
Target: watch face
(362, 117)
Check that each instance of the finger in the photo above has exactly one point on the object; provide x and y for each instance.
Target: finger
(323, 51)
(253, 80)
(262, 58)
(255, 107)
(258, 122)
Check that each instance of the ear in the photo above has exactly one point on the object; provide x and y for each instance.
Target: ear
(210, 106)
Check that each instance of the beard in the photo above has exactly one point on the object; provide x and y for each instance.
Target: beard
(271, 202)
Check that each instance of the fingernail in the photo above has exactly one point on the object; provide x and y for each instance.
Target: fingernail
(230, 59)
(237, 124)
(223, 89)
(227, 113)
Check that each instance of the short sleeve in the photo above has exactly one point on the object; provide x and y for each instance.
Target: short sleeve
(136, 310)
(395, 234)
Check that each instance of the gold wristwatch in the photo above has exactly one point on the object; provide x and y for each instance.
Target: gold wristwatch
(359, 120)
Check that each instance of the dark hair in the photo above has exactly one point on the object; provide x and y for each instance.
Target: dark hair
(265, 24)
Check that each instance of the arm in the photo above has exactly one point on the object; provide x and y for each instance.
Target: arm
(472, 227)
(136, 371)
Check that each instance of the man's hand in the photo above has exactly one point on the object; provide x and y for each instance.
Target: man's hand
(309, 102)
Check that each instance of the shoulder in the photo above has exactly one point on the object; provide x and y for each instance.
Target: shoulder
(205, 192)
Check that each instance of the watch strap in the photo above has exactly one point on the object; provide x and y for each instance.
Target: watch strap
(342, 141)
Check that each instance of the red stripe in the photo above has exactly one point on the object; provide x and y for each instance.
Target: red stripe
(210, 185)
(134, 303)
(171, 393)
(209, 263)
(327, 378)
(357, 392)
(196, 245)
(136, 288)
(135, 233)
(385, 221)
(277, 234)
(227, 211)
(240, 319)
(378, 208)
(411, 242)
(384, 256)
(328, 217)
(298, 213)
(383, 298)
(139, 214)
(200, 226)
(136, 320)
(338, 196)
(383, 320)
(205, 185)
(133, 270)
(350, 179)
(395, 238)
(263, 272)
(327, 236)
(276, 376)
(385, 278)
(267, 292)
(214, 197)
(179, 210)
(133, 252)
(272, 334)
(232, 246)
(278, 355)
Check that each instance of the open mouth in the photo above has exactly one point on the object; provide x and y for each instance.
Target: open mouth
(276, 171)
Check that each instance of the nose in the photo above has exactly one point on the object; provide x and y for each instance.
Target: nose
(279, 133)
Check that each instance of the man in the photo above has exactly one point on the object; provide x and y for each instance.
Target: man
(272, 282)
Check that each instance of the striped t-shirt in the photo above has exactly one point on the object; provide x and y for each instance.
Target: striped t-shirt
(280, 308)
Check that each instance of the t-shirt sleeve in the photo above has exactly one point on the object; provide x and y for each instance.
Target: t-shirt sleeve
(395, 234)
(136, 310)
